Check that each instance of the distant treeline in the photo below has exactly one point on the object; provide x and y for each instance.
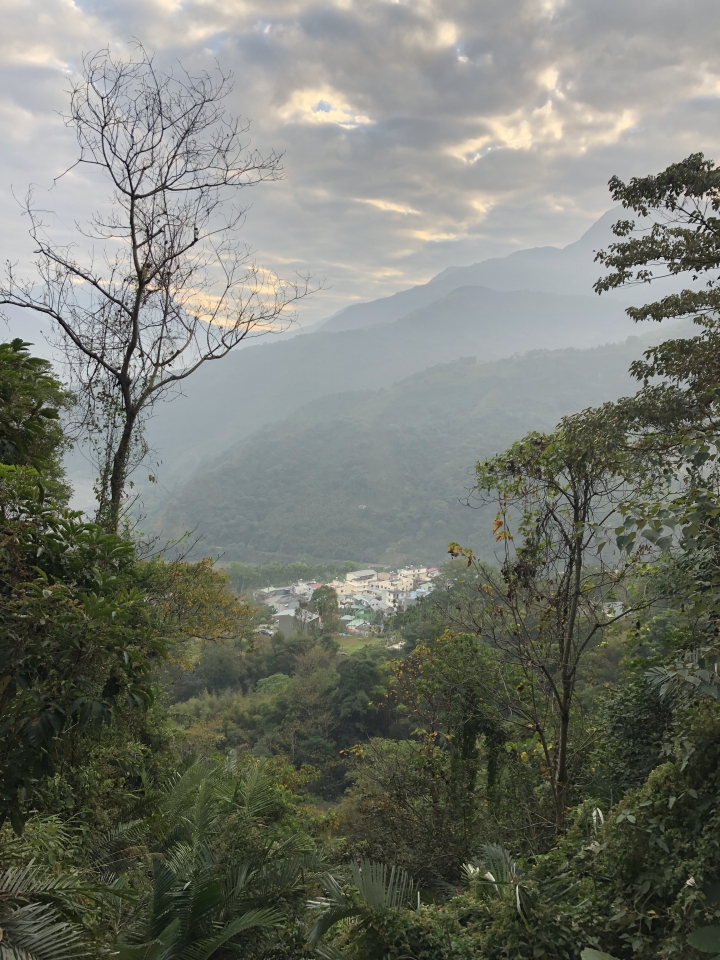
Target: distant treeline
(250, 576)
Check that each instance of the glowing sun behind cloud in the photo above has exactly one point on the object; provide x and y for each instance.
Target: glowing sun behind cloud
(321, 105)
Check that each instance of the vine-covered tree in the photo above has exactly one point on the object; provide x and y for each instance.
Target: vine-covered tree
(558, 590)
(159, 282)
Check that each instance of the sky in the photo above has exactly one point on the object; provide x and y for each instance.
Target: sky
(416, 135)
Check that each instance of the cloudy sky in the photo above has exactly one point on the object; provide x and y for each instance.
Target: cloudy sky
(417, 134)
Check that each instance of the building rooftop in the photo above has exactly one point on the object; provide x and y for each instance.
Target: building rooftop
(360, 575)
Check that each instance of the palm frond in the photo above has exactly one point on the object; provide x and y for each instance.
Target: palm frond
(204, 949)
(333, 907)
(334, 892)
(379, 888)
(31, 882)
(497, 875)
(182, 791)
(207, 901)
(37, 931)
(383, 888)
(205, 816)
(237, 879)
(201, 897)
(329, 952)
(329, 916)
(170, 897)
(179, 860)
(499, 862)
(279, 877)
(116, 849)
(255, 792)
(161, 947)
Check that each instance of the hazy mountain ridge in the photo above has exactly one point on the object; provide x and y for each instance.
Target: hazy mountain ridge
(564, 270)
(227, 401)
(379, 476)
(262, 383)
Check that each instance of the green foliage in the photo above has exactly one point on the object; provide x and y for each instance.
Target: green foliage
(451, 686)
(31, 399)
(556, 496)
(217, 886)
(495, 875)
(378, 888)
(74, 641)
(671, 424)
(634, 720)
(705, 939)
(325, 601)
(83, 626)
(410, 806)
(434, 932)
(34, 908)
(684, 240)
(191, 601)
(300, 697)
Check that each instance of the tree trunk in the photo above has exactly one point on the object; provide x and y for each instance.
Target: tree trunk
(109, 514)
(561, 776)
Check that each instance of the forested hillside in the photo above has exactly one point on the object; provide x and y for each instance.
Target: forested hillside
(381, 477)
(263, 383)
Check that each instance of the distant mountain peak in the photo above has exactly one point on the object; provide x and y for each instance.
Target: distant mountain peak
(571, 269)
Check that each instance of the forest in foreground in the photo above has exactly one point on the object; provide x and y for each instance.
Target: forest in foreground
(533, 772)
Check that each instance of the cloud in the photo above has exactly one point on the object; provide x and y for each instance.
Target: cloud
(545, 126)
(320, 106)
(416, 134)
(389, 206)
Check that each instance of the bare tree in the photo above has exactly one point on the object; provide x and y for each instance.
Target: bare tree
(160, 282)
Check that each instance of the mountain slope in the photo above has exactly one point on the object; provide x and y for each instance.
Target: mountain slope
(380, 476)
(227, 401)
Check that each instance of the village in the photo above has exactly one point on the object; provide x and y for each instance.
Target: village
(366, 599)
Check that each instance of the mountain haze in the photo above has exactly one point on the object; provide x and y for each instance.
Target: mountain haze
(380, 476)
(227, 401)
(571, 269)
(361, 347)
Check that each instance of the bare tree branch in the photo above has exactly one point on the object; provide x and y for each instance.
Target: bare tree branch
(173, 286)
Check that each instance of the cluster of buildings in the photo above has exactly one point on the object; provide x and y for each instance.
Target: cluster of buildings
(365, 598)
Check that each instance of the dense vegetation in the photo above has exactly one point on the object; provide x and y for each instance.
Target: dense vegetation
(535, 774)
